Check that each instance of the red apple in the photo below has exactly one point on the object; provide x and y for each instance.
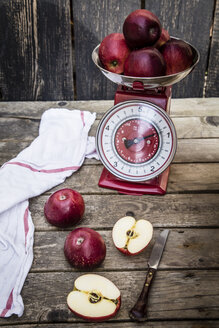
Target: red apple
(163, 38)
(141, 28)
(84, 248)
(94, 298)
(113, 52)
(132, 236)
(64, 208)
(178, 56)
(145, 62)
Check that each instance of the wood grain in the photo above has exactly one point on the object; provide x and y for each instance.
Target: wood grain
(47, 45)
(185, 291)
(150, 324)
(36, 54)
(213, 66)
(187, 107)
(184, 295)
(188, 151)
(186, 128)
(185, 248)
(183, 178)
(93, 20)
(172, 210)
(185, 20)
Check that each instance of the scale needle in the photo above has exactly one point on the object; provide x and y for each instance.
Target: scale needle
(129, 142)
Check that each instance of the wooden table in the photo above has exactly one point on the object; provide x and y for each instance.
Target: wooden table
(185, 292)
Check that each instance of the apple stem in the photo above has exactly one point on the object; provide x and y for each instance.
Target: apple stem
(79, 241)
(130, 213)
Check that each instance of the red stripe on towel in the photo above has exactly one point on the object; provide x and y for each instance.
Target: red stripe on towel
(82, 117)
(8, 305)
(70, 168)
(26, 226)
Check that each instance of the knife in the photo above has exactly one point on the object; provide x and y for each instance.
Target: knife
(139, 310)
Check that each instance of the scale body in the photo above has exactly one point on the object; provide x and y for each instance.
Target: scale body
(155, 92)
(158, 184)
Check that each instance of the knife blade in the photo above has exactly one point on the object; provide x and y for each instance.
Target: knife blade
(139, 310)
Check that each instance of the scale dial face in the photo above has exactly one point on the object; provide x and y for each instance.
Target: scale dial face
(136, 140)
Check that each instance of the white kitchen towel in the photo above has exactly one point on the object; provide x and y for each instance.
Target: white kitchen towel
(57, 152)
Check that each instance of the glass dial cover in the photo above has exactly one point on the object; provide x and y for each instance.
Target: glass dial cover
(136, 140)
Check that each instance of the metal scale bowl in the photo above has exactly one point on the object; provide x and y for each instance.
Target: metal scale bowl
(143, 95)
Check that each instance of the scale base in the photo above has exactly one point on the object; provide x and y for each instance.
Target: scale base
(156, 186)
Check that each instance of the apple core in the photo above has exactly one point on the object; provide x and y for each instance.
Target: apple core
(94, 297)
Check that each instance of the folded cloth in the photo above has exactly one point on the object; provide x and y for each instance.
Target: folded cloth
(57, 152)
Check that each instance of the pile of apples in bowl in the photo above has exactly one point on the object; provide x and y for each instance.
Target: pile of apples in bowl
(144, 50)
(94, 298)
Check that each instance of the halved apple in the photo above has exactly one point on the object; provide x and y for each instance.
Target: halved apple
(131, 236)
(94, 298)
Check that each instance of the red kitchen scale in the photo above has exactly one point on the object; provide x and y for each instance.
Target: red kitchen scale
(136, 139)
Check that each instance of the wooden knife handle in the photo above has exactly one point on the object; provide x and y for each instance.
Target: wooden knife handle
(139, 310)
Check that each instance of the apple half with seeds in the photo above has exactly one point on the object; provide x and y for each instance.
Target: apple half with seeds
(131, 236)
(94, 298)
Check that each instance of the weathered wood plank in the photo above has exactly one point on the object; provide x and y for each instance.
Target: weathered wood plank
(102, 211)
(18, 129)
(197, 150)
(197, 127)
(213, 66)
(194, 107)
(187, 248)
(179, 107)
(186, 127)
(188, 151)
(35, 66)
(36, 54)
(183, 178)
(93, 20)
(185, 20)
(150, 324)
(193, 177)
(184, 294)
(189, 177)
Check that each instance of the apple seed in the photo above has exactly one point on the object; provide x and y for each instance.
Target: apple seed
(131, 234)
(94, 297)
